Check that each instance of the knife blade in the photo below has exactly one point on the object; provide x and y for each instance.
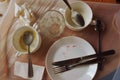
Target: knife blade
(76, 60)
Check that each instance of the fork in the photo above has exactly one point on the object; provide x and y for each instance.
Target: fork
(60, 69)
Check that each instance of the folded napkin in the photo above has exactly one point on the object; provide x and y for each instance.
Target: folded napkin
(21, 70)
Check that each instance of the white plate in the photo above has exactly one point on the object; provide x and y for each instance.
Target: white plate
(66, 48)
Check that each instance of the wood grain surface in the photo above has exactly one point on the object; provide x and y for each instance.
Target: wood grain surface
(104, 11)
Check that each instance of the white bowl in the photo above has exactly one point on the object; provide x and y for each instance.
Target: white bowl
(82, 8)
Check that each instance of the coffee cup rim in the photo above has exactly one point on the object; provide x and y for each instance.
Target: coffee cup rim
(38, 42)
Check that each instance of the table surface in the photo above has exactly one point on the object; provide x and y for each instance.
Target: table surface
(105, 1)
(38, 58)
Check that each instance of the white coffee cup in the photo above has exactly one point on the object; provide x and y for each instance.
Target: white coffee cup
(18, 43)
(85, 11)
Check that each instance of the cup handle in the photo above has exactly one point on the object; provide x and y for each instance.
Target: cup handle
(93, 22)
(61, 10)
(17, 54)
(35, 26)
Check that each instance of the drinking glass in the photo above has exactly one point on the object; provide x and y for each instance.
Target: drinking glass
(52, 24)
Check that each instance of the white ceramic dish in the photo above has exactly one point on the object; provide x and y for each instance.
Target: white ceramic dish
(83, 9)
(66, 48)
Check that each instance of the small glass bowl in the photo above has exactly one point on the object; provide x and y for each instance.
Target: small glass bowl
(52, 23)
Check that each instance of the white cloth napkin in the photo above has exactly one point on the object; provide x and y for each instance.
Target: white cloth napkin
(21, 70)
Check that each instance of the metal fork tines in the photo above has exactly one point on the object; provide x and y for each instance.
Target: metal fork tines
(60, 69)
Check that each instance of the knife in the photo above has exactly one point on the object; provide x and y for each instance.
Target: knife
(76, 60)
(60, 69)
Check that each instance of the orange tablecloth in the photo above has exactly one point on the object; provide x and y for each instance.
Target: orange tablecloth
(108, 13)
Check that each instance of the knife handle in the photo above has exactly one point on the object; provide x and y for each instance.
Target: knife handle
(103, 54)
